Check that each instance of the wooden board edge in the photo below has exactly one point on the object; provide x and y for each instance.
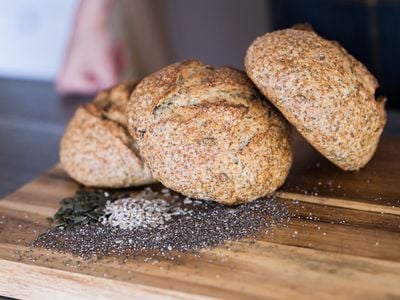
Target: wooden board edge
(342, 203)
(24, 281)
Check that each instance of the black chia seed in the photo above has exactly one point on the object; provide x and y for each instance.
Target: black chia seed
(204, 225)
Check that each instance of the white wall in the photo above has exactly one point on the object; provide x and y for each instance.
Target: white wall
(34, 36)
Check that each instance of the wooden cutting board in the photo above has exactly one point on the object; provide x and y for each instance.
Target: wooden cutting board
(342, 242)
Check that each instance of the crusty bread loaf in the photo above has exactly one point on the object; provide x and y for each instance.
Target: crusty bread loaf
(322, 90)
(97, 150)
(206, 133)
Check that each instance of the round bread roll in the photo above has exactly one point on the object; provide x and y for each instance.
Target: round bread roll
(322, 90)
(97, 150)
(207, 134)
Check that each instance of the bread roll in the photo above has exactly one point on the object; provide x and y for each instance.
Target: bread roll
(322, 90)
(207, 134)
(97, 150)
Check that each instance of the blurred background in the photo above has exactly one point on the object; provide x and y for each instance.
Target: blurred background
(55, 55)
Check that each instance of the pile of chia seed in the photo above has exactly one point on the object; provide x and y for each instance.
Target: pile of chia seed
(198, 225)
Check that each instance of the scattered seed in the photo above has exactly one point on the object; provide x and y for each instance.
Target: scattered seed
(149, 222)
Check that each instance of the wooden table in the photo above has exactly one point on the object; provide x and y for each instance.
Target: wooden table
(343, 241)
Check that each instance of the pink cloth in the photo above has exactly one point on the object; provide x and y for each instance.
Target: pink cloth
(93, 60)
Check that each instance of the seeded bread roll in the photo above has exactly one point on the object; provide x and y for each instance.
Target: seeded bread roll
(322, 90)
(206, 133)
(97, 150)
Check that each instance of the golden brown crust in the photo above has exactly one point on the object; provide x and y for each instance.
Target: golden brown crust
(322, 90)
(97, 150)
(112, 103)
(206, 133)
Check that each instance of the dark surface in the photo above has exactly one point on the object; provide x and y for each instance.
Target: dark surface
(32, 119)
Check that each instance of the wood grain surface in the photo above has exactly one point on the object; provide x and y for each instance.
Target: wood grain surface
(342, 241)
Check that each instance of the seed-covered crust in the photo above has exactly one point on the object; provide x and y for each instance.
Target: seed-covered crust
(206, 133)
(97, 150)
(322, 90)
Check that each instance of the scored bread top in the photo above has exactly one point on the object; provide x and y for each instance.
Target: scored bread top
(97, 150)
(205, 132)
(112, 103)
(322, 90)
